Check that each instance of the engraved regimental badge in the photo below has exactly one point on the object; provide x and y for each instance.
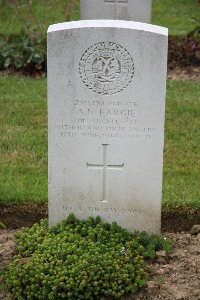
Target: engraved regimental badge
(106, 68)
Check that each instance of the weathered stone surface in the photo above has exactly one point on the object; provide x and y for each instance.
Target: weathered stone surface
(130, 10)
(106, 104)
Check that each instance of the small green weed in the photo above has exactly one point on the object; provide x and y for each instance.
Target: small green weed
(80, 259)
(162, 279)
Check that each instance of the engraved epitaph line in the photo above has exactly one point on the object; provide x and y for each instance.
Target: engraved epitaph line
(116, 1)
(105, 167)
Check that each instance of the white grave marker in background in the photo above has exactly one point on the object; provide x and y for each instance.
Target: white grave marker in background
(106, 104)
(131, 10)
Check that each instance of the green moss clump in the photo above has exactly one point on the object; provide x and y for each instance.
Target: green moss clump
(79, 259)
(2, 225)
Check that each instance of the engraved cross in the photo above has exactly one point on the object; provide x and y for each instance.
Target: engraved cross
(105, 166)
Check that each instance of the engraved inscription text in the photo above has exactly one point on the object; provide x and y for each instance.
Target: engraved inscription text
(116, 1)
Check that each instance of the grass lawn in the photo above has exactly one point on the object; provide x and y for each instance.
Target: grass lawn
(23, 139)
(178, 15)
(181, 154)
(23, 142)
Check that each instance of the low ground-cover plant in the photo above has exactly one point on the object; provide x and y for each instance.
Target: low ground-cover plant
(80, 259)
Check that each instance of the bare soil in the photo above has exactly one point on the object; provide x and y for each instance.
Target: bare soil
(175, 276)
(186, 73)
(22, 215)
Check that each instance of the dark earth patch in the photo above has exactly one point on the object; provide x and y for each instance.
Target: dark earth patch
(22, 215)
(186, 73)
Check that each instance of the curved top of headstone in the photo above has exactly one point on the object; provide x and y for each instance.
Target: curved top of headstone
(108, 23)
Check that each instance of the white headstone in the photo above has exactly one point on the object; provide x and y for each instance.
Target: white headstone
(106, 105)
(131, 10)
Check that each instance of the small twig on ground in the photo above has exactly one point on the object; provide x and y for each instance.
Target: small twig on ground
(20, 13)
(69, 10)
(33, 16)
